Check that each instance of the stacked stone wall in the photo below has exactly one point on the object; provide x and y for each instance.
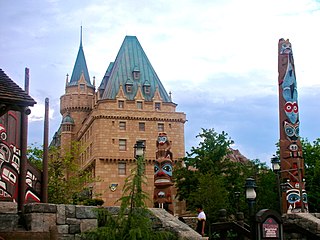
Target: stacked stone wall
(43, 221)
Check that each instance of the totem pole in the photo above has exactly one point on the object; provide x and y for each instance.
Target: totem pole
(292, 164)
(163, 174)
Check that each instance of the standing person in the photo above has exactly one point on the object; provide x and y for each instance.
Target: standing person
(201, 220)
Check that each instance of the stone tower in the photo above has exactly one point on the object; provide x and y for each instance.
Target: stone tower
(77, 102)
(130, 105)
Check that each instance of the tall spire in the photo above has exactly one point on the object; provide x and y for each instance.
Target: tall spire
(80, 66)
(81, 36)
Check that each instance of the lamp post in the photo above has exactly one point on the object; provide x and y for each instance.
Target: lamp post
(276, 167)
(139, 149)
(251, 195)
(275, 161)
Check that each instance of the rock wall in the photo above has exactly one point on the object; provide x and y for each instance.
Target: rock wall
(43, 221)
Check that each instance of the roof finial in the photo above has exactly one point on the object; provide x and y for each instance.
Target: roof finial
(170, 96)
(67, 79)
(81, 36)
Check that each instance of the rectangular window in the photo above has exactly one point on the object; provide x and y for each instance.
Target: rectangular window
(82, 87)
(142, 126)
(160, 127)
(136, 75)
(121, 104)
(139, 105)
(147, 89)
(157, 106)
(122, 125)
(122, 168)
(122, 144)
(129, 88)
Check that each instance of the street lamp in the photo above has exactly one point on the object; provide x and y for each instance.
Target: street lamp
(275, 161)
(251, 195)
(139, 149)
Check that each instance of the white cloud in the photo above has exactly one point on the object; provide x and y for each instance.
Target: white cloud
(38, 113)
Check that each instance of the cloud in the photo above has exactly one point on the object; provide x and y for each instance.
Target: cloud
(38, 112)
(218, 58)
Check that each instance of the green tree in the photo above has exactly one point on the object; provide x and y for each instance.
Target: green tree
(35, 155)
(134, 219)
(311, 155)
(66, 180)
(201, 180)
(211, 179)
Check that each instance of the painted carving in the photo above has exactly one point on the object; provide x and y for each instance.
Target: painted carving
(163, 174)
(290, 145)
(10, 156)
(9, 170)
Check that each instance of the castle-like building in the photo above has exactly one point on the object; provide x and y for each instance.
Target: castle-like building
(130, 105)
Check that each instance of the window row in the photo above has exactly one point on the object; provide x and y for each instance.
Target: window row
(157, 105)
(123, 144)
(142, 126)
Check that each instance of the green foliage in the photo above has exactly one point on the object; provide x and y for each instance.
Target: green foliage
(35, 155)
(93, 202)
(134, 219)
(311, 155)
(211, 179)
(209, 155)
(66, 180)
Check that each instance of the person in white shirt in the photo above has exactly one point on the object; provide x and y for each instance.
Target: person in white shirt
(201, 220)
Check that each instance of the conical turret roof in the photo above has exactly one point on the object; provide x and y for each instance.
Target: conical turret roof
(80, 67)
(132, 59)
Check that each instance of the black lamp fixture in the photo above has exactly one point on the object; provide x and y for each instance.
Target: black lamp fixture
(139, 149)
(250, 187)
(275, 161)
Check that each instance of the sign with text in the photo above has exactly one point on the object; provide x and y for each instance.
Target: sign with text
(270, 228)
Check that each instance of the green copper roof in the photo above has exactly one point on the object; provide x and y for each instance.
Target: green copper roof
(80, 67)
(67, 120)
(131, 58)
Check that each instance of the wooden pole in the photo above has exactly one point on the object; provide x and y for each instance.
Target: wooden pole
(45, 153)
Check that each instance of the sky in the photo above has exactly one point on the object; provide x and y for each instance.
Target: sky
(219, 58)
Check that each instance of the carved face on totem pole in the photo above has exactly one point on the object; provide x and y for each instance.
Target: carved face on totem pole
(163, 171)
(294, 199)
(290, 145)
(9, 167)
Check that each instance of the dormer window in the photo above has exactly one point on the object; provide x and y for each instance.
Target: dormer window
(129, 85)
(147, 87)
(136, 73)
(129, 88)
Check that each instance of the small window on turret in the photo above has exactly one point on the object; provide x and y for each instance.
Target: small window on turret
(82, 87)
